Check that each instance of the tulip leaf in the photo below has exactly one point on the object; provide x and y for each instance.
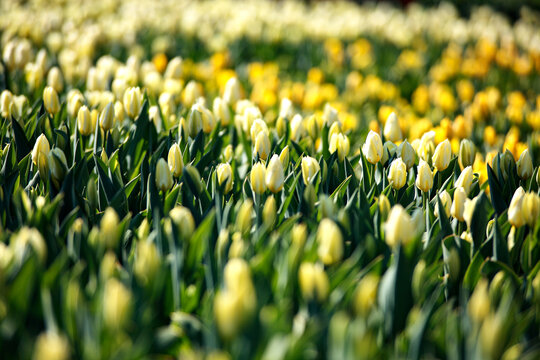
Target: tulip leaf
(21, 142)
(496, 192)
(500, 248)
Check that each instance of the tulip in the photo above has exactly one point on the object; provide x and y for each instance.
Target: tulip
(51, 101)
(458, 206)
(191, 93)
(51, 346)
(19, 107)
(167, 105)
(446, 202)
(397, 174)
(424, 180)
(392, 131)
(515, 211)
(108, 228)
(225, 176)
(426, 147)
(228, 153)
(257, 177)
(465, 179)
(164, 179)
(194, 122)
(466, 153)
(243, 218)
(55, 79)
(442, 155)
(313, 282)
(340, 143)
(531, 208)
(84, 121)
(6, 101)
(297, 127)
(525, 165)
(262, 145)
(221, 111)
(132, 101)
(174, 68)
(183, 219)
(57, 162)
(286, 108)
(479, 303)
(284, 157)
(373, 147)
(274, 174)
(119, 112)
(207, 118)
(269, 211)
(366, 294)
(407, 153)
(330, 242)
(41, 148)
(106, 118)
(175, 160)
(330, 115)
(310, 167)
(232, 92)
(399, 227)
(147, 261)
(117, 304)
(384, 206)
(74, 102)
(468, 211)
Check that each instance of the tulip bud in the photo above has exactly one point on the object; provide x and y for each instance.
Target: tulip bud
(262, 145)
(108, 228)
(373, 147)
(340, 143)
(147, 261)
(384, 206)
(117, 304)
(515, 211)
(39, 154)
(132, 101)
(310, 167)
(281, 126)
(313, 282)
(446, 202)
(164, 180)
(424, 180)
(525, 165)
(442, 155)
(19, 107)
(174, 68)
(225, 176)
(284, 157)
(207, 118)
(274, 174)
(33, 74)
(330, 242)
(479, 304)
(286, 108)
(407, 153)
(465, 179)
(106, 118)
(84, 121)
(55, 79)
(466, 153)
(51, 346)
(297, 127)
(194, 122)
(228, 153)
(399, 227)
(74, 102)
(57, 163)
(257, 177)
(269, 211)
(191, 93)
(299, 234)
(330, 115)
(6, 101)
(531, 208)
(221, 111)
(50, 100)
(175, 160)
(366, 294)
(182, 218)
(232, 92)
(392, 131)
(397, 175)
(469, 210)
(243, 218)
(458, 206)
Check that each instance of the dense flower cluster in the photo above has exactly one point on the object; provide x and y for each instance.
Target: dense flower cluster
(259, 180)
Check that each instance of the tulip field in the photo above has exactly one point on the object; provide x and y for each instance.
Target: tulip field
(268, 180)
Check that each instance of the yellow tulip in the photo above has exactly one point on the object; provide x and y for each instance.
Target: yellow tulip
(257, 177)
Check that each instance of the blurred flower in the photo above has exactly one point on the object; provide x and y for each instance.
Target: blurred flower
(330, 242)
